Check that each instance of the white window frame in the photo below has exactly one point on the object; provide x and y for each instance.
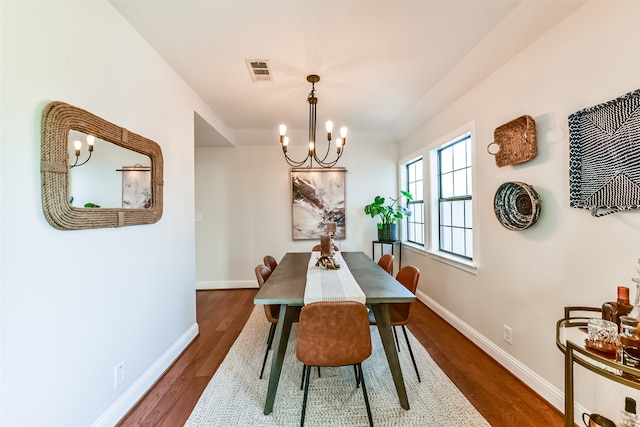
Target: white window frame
(402, 179)
(405, 187)
(433, 174)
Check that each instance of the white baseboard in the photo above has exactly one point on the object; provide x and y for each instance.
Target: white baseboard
(130, 397)
(226, 284)
(541, 386)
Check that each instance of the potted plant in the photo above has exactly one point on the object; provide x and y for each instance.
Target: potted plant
(389, 213)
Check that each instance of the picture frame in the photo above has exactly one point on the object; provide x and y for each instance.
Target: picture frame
(136, 187)
(317, 197)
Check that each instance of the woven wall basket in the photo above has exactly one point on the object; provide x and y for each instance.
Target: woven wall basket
(514, 142)
(516, 205)
(604, 156)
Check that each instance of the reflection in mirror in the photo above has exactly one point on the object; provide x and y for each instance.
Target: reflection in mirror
(123, 174)
(109, 176)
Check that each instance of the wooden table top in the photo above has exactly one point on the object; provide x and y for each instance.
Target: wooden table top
(287, 282)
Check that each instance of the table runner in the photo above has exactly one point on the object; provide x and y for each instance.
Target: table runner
(331, 285)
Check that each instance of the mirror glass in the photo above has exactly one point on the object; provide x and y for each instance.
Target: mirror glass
(109, 176)
(118, 183)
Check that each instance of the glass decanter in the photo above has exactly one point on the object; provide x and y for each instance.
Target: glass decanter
(635, 311)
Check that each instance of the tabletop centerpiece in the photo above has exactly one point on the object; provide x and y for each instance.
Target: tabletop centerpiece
(327, 251)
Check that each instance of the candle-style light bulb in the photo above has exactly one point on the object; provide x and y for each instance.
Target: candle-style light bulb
(329, 126)
(343, 134)
(285, 142)
(283, 132)
(90, 141)
(77, 145)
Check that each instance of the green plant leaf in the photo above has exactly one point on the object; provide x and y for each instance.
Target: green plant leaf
(390, 212)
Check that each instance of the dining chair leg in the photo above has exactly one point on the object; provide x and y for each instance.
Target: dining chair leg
(411, 352)
(304, 369)
(355, 370)
(364, 392)
(306, 393)
(395, 335)
(272, 332)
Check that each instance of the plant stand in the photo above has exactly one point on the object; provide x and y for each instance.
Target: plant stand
(393, 244)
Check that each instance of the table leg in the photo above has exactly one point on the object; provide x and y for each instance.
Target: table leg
(392, 249)
(288, 315)
(381, 313)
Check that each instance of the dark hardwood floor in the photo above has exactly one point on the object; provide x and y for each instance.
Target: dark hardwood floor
(499, 396)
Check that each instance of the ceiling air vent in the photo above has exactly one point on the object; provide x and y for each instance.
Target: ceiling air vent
(259, 70)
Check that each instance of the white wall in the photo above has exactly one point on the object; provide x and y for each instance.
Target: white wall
(525, 278)
(244, 198)
(76, 303)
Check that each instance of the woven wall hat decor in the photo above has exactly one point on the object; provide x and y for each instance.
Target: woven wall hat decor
(604, 156)
(516, 205)
(514, 142)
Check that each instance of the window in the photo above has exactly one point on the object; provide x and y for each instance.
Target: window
(455, 214)
(415, 186)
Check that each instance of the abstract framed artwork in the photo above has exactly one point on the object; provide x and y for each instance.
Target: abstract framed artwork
(136, 187)
(317, 197)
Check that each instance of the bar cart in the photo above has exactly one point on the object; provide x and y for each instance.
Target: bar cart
(571, 333)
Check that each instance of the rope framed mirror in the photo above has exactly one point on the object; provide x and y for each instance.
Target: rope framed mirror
(58, 120)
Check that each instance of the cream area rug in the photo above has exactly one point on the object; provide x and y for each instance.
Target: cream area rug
(235, 395)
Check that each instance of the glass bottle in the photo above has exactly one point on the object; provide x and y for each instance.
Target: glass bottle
(629, 416)
(629, 349)
(612, 311)
(635, 311)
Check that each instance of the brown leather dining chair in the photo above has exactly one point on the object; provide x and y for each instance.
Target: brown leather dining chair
(386, 262)
(270, 262)
(271, 311)
(334, 334)
(400, 313)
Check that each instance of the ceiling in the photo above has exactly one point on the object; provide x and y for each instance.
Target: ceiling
(385, 66)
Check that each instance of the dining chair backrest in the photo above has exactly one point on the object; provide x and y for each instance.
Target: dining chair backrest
(262, 274)
(272, 311)
(386, 262)
(270, 262)
(317, 248)
(333, 333)
(400, 313)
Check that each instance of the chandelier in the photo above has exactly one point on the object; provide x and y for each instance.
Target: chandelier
(312, 152)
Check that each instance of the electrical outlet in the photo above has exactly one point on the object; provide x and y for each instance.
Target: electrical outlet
(507, 333)
(118, 374)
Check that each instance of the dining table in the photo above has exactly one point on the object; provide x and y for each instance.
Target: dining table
(286, 287)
